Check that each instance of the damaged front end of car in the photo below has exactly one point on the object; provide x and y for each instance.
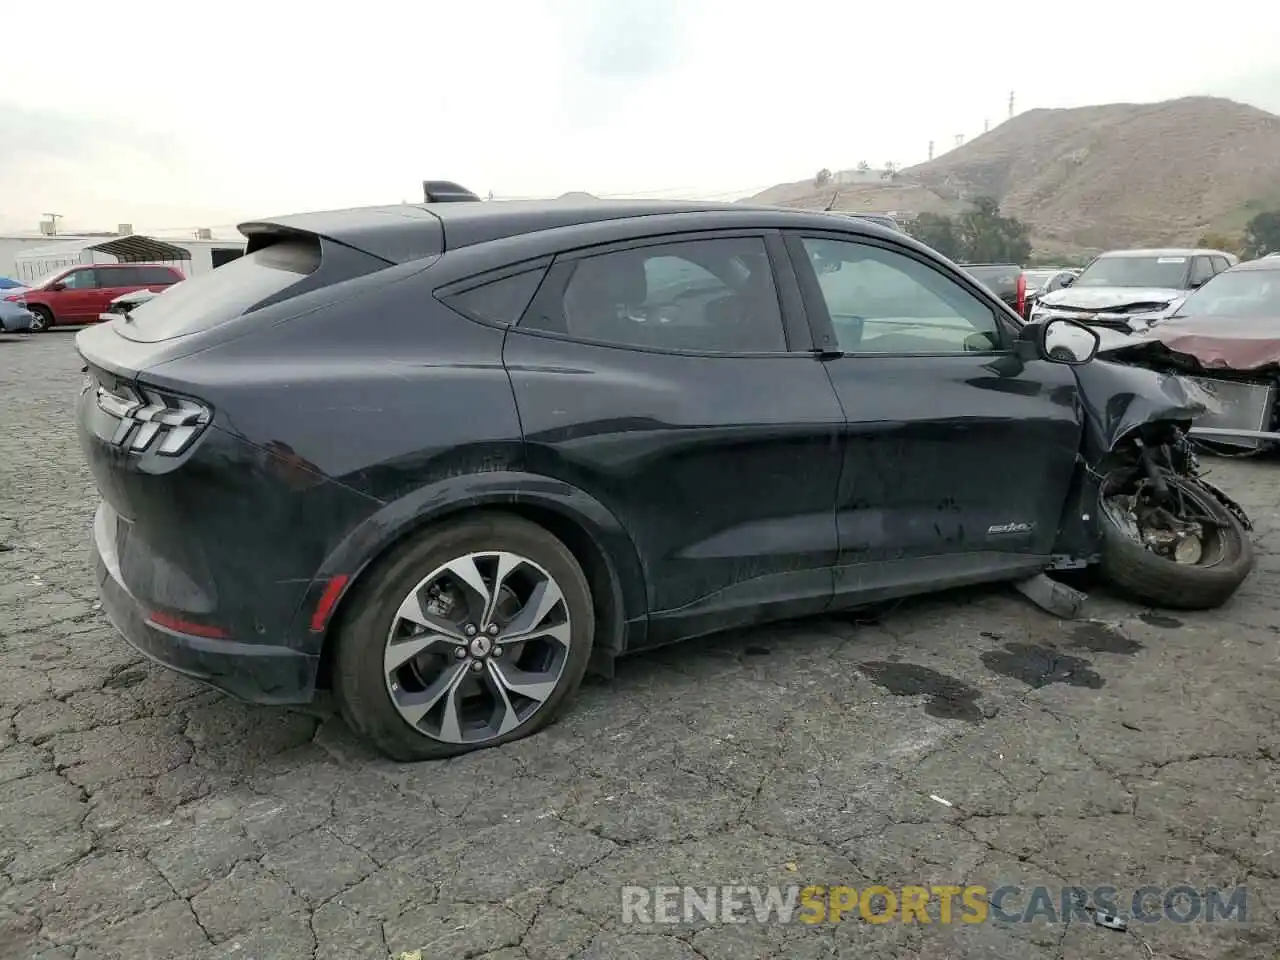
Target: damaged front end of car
(1140, 506)
(1234, 367)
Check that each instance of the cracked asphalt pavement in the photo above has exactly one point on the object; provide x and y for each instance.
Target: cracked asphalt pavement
(143, 816)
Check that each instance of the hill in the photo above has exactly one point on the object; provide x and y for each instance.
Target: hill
(1090, 178)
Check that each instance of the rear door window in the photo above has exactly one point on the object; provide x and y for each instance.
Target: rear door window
(212, 299)
(118, 277)
(689, 296)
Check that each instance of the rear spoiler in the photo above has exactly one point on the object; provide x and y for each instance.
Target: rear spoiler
(445, 191)
(396, 234)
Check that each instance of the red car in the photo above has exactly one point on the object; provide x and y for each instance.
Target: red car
(76, 295)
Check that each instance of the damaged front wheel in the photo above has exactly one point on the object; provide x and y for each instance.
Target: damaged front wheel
(1174, 544)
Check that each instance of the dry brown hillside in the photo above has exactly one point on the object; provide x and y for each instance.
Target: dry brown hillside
(1094, 177)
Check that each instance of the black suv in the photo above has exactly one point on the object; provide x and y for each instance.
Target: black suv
(446, 457)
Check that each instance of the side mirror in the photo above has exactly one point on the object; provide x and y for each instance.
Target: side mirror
(1067, 341)
(1067, 279)
(55, 287)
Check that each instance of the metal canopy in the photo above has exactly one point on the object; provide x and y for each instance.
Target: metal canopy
(134, 249)
(131, 249)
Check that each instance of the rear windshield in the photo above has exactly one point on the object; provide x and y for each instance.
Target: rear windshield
(209, 300)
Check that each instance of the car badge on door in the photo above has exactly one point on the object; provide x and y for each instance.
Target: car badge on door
(998, 529)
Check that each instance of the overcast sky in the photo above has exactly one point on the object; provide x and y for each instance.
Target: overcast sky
(179, 114)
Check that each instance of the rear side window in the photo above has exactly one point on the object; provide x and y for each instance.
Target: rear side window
(497, 301)
(211, 299)
(154, 275)
(118, 277)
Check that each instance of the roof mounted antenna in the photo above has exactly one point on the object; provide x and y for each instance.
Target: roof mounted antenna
(445, 191)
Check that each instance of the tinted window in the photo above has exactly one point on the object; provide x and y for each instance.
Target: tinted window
(700, 296)
(154, 275)
(118, 277)
(80, 280)
(885, 302)
(211, 299)
(1201, 270)
(498, 301)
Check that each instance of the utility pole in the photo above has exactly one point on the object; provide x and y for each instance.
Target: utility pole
(53, 220)
(1011, 104)
(930, 149)
(986, 126)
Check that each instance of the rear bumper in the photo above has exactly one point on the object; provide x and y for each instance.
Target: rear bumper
(254, 672)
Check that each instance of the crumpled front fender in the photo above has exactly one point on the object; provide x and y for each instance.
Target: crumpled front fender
(1119, 399)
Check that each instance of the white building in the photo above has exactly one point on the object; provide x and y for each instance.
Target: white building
(27, 258)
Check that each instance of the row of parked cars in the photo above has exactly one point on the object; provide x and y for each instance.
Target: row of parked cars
(80, 294)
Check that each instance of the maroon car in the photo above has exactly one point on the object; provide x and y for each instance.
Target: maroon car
(1225, 338)
(78, 294)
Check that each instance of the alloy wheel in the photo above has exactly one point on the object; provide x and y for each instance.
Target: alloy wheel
(477, 647)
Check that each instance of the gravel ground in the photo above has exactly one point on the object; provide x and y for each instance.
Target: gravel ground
(143, 816)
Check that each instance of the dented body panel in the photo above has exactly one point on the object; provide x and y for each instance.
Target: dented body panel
(1119, 399)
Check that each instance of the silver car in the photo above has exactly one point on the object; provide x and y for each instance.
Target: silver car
(1128, 290)
(14, 315)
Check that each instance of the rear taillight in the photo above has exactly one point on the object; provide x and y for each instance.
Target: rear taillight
(147, 417)
(1022, 295)
(15, 298)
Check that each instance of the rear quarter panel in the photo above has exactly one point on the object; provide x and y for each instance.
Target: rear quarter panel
(356, 403)
(382, 390)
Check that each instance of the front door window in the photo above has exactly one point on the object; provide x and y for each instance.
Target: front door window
(80, 280)
(882, 302)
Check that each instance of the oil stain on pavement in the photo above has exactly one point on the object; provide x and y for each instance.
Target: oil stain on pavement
(1039, 666)
(1098, 637)
(1153, 619)
(949, 698)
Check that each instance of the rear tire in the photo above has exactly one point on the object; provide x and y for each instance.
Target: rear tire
(42, 319)
(463, 655)
(1181, 586)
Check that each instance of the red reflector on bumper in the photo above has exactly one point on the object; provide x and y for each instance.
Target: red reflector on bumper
(332, 591)
(178, 625)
